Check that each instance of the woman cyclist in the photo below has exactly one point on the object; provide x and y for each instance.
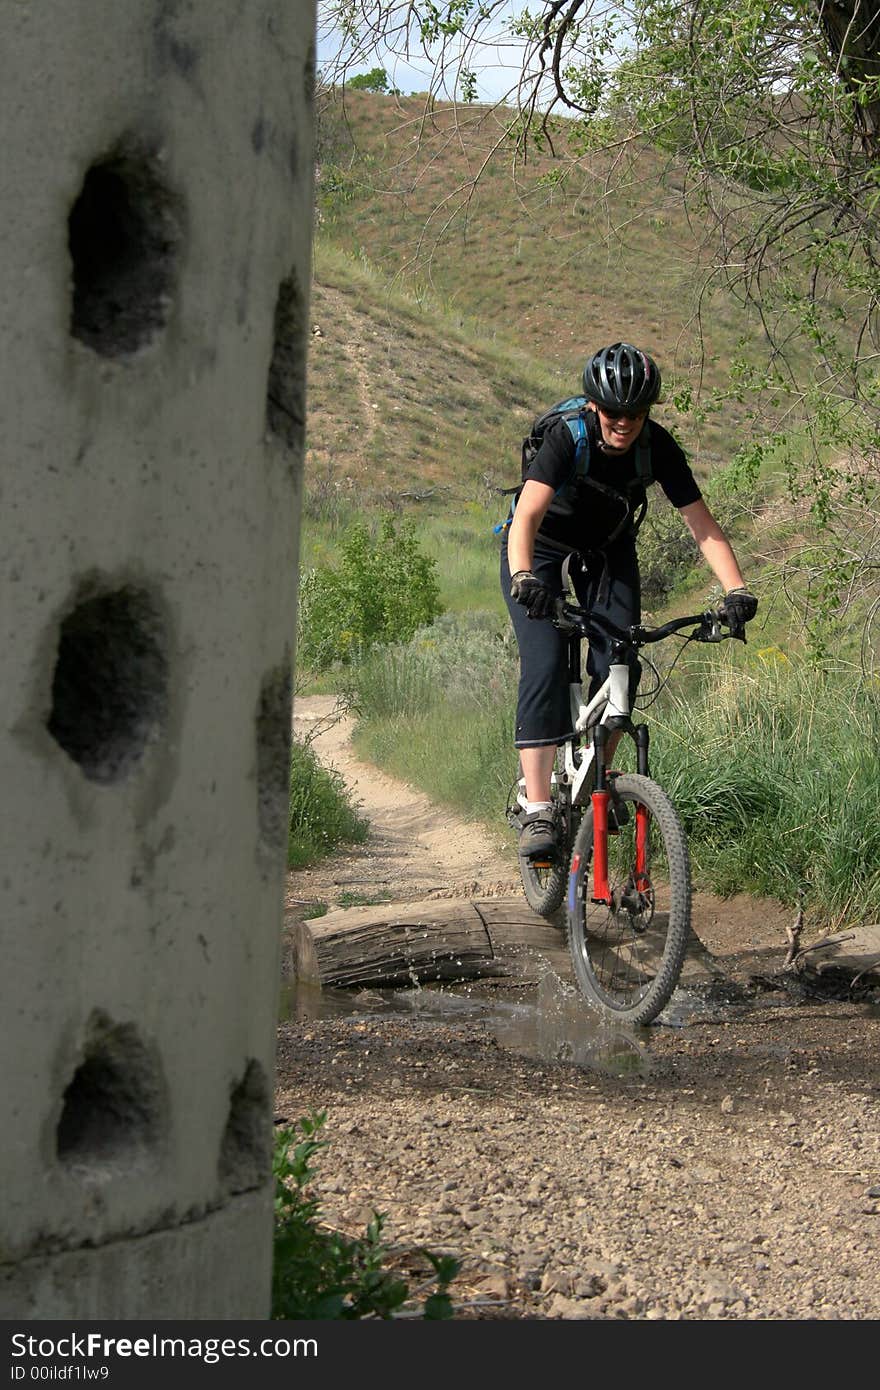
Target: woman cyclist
(597, 516)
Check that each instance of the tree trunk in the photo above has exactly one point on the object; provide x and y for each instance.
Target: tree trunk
(852, 32)
(446, 939)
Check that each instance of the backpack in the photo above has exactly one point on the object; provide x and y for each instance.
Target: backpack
(574, 411)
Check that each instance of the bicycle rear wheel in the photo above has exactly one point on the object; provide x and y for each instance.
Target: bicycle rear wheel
(543, 883)
(544, 879)
(627, 953)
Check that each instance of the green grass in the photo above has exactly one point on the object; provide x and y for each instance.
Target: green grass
(354, 899)
(437, 712)
(769, 759)
(321, 816)
(773, 769)
(315, 909)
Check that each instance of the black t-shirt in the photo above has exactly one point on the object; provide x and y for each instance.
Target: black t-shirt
(582, 516)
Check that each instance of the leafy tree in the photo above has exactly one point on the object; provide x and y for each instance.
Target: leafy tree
(374, 81)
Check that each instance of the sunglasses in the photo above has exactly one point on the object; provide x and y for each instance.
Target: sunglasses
(622, 414)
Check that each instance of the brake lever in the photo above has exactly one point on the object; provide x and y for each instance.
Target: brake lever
(561, 618)
(710, 629)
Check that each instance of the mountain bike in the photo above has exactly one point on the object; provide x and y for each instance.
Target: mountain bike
(622, 852)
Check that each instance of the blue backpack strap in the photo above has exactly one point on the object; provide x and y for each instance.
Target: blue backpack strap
(578, 430)
(577, 425)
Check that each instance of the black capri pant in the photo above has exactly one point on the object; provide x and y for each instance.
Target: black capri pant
(543, 711)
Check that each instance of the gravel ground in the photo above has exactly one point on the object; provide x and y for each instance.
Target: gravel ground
(739, 1178)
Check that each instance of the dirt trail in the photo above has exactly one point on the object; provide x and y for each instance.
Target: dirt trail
(419, 850)
(415, 849)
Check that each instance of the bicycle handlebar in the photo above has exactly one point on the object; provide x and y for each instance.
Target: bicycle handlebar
(569, 617)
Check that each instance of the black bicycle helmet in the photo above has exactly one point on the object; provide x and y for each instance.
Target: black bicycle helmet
(621, 377)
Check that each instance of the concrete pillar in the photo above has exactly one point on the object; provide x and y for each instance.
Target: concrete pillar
(154, 275)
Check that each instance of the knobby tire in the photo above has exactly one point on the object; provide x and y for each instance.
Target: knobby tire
(627, 956)
(544, 882)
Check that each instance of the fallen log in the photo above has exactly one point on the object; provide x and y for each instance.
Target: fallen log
(445, 939)
(854, 952)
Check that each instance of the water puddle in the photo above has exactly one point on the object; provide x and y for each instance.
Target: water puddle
(552, 1023)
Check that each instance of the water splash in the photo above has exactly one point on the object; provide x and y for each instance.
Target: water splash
(554, 1024)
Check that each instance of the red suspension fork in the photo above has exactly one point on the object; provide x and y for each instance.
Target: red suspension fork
(599, 798)
(601, 892)
(643, 825)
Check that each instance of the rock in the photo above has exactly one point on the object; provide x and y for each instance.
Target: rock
(562, 1307)
(719, 1290)
(556, 1281)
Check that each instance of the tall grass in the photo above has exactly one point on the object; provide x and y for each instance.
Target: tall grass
(321, 815)
(774, 770)
(771, 763)
(437, 712)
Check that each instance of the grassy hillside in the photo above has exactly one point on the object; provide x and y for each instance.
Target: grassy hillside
(411, 411)
(401, 398)
(456, 290)
(541, 253)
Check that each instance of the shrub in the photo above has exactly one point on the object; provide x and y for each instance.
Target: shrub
(668, 551)
(320, 816)
(382, 590)
(322, 1273)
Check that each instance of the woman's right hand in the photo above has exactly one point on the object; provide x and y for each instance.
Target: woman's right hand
(527, 589)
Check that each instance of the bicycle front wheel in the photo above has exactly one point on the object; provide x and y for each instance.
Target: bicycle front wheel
(627, 951)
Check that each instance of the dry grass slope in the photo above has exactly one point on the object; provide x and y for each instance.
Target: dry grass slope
(401, 399)
(543, 255)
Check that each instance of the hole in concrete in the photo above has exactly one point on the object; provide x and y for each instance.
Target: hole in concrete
(273, 756)
(123, 235)
(310, 68)
(286, 394)
(109, 689)
(245, 1149)
(115, 1108)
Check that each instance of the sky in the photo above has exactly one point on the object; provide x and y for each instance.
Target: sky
(497, 65)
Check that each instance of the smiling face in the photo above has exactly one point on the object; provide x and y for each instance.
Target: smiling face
(619, 431)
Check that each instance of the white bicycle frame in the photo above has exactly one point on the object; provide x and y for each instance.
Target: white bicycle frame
(613, 694)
